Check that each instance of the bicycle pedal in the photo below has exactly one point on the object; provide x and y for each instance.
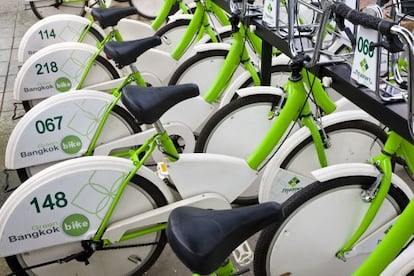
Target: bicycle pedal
(243, 254)
(162, 170)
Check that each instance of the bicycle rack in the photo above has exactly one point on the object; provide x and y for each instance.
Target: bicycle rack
(309, 37)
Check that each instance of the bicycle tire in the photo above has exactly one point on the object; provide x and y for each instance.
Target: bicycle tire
(123, 117)
(149, 9)
(78, 10)
(336, 210)
(100, 61)
(142, 190)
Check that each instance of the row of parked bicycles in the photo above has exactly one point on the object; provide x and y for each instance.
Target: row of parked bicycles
(147, 9)
(137, 133)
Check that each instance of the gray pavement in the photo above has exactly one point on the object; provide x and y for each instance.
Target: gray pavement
(15, 19)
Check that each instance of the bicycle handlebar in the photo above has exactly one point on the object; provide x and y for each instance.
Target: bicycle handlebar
(363, 19)
(394, 33)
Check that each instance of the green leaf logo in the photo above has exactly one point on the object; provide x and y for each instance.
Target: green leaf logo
(364, 65)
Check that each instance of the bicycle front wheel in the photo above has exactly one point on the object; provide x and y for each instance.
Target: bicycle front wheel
(319, 219)
(45, 8)
(140, 196)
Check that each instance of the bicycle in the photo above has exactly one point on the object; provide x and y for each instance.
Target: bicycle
(239, 126)
(362, 211)
(153, 198)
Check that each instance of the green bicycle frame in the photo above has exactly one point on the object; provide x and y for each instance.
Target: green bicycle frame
(296, 106)
(146, 150)
(133, 77)
(165, 11)
(100, 47)
(200, 23)
(403, 228)
(236, 55)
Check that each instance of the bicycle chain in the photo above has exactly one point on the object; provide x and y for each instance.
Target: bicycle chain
(72, 257)
(126, 246)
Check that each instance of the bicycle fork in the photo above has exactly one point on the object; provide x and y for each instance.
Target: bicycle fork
(396, 234)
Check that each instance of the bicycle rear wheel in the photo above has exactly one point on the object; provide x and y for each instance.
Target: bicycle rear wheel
(45, 8)
(319, 219)
(140, 196)
(102, 70)
(119, 124)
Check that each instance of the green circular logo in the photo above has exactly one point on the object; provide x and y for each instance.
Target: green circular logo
(75, 225)
(63, 84)
(71, 144)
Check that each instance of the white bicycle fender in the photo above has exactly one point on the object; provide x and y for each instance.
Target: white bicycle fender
(351, 169)
(254, 90)
(58, 128)
(297, 137)
(54, 69)
(54, 29)
(211, 46)
(178, 16)
(131, 29)
(79, 191)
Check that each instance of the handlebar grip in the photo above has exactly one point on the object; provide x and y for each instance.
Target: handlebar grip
(363, 19)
